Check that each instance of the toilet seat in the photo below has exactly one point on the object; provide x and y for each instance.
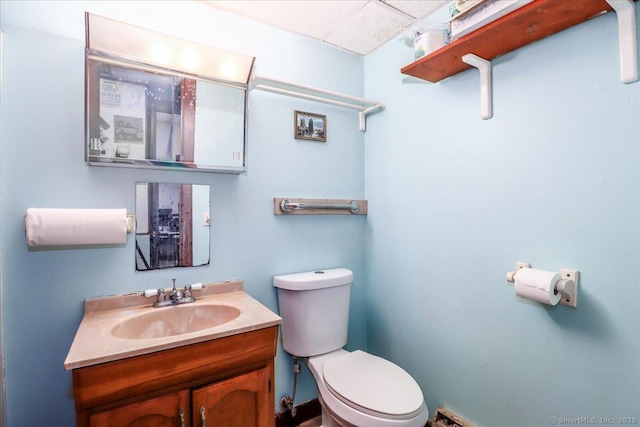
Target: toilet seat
(373, 385)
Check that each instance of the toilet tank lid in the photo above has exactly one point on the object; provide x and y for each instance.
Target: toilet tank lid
(317, 279)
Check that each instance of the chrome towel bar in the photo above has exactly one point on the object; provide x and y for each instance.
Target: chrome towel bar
(288, 206)
(284, 206)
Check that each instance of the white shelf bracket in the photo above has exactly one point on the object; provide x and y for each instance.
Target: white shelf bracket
(486, 90)
(363, 115)
(363, 121)
(626, 13)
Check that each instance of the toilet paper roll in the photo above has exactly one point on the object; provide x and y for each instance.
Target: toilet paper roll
(61, 227)
(537, 285)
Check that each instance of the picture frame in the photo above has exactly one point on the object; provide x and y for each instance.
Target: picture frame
(309, 126)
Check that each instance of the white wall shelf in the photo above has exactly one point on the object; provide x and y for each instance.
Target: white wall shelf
(363, 106)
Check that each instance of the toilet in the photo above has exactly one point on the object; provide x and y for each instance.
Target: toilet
(354, 388)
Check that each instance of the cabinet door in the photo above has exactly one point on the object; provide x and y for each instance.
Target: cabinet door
(242, 401)
(169, 410)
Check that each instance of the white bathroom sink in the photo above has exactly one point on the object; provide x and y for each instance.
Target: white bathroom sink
(175, 320)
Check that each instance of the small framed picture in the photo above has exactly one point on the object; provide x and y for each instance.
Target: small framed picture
(310, 126)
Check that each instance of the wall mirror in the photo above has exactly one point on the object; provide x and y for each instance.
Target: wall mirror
(158, 102)
(172, 225)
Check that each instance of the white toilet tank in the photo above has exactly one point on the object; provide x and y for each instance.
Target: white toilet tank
(314, 307)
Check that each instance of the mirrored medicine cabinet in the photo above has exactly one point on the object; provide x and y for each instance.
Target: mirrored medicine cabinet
(154, 101)
(172, 225)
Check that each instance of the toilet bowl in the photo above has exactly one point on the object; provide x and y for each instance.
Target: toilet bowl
(360, 389)
(354, 388)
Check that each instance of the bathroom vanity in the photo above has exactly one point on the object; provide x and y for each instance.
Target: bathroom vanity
(130, 369)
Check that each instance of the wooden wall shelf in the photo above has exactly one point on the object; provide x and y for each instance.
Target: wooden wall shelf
(530, 23)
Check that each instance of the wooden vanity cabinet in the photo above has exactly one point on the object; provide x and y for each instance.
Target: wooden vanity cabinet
(227, 381)
(242, 393)
(170, 410)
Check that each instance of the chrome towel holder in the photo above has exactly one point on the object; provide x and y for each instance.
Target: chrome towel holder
(287, 206)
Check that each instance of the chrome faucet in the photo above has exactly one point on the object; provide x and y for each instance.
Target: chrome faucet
(162, 300)
(177, 296)
(187, 297)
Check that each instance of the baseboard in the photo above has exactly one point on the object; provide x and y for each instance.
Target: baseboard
(304, 412)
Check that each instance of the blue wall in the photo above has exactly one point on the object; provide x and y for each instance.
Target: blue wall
(552, 179)
(43, 166)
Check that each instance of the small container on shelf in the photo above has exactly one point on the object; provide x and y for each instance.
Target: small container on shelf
(432, 38)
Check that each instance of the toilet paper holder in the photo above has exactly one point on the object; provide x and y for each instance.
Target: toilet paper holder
(131, 223)
(567, 285)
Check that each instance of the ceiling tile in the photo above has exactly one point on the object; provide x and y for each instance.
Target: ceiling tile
(417, 9)
(368, 28)
(359, 26)
(313, 18)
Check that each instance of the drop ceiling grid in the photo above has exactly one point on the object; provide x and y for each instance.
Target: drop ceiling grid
(359, 26)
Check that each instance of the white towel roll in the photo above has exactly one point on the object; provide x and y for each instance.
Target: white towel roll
(62, 227)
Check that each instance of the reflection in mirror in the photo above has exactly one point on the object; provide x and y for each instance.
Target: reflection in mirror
(146, 117)
(172, 225)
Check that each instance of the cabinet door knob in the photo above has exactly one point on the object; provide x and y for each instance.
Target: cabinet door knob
(203, 417)
(181, 413)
